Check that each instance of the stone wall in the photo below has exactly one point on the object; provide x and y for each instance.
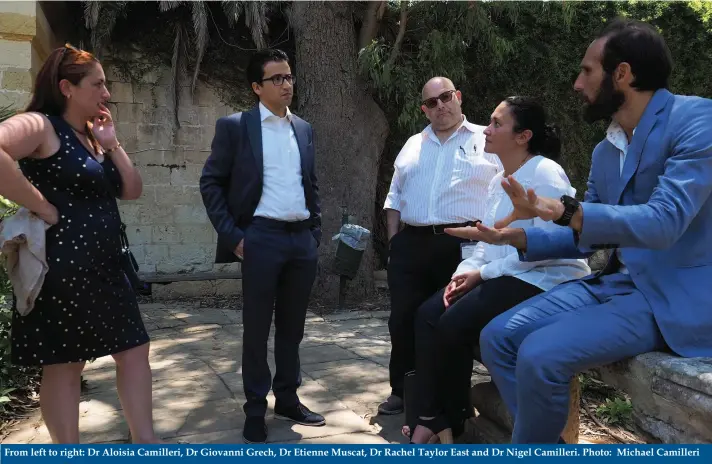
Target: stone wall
(167, 227)
(25, 41)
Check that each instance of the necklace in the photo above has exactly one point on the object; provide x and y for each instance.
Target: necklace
(520, 165)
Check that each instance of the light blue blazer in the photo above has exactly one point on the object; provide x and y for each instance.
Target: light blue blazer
(659, 212)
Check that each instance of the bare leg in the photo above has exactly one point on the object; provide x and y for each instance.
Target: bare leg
(133, 381)
(59, 401)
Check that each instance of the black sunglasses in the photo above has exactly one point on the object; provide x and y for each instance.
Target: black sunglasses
(278, 79)
(444, 97)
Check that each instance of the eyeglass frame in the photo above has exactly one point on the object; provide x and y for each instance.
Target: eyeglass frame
(282, 77)
(450, 92)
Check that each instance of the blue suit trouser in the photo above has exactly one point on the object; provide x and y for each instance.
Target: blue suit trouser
(533, 350)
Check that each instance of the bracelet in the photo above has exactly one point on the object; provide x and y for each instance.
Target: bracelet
(118, 145)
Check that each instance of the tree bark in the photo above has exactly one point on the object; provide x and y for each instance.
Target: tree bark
(350, 132)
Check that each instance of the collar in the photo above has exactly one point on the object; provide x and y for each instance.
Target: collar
(617, 136)
(465, 124)
(266, 113)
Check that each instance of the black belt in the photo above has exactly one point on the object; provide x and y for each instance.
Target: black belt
(288, 226)
(439, 229)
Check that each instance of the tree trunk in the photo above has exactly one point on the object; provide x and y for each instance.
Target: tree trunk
(350, 132)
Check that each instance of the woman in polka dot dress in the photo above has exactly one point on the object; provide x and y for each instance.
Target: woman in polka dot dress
(72, 170)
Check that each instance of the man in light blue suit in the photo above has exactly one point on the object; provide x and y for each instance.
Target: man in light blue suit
(648, 199)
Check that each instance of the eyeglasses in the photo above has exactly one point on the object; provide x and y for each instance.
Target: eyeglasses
(278, 79)
(444, 97)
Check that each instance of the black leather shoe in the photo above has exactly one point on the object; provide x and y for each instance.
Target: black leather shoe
(255, 430)
(299, 414)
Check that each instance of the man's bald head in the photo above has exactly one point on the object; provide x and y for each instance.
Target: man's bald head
(436, 86)
(441, 104)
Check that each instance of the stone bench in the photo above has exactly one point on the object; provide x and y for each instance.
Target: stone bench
(671, 398)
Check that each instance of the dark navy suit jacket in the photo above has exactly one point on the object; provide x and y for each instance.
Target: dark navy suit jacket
(231, 182)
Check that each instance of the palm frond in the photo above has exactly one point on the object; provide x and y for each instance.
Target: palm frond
(233, 10)
(256, 21)
(91, 14)
(168, 5)
(178, 68)
(200, 27)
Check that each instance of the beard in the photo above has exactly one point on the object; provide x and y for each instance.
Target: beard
(607, 102)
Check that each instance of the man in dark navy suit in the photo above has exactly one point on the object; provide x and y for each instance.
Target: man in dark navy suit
(260, 192)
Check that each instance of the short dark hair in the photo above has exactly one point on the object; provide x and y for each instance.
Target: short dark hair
(256, 66)
(642, 47)
(528, 113)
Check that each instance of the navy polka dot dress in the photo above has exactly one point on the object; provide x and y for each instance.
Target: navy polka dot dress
(86, 308)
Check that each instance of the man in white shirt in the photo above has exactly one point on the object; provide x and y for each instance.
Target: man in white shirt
(260, 193)
(441, 178)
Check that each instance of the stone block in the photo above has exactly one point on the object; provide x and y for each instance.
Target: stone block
(153, 96)
(196, 156)
(14, 99)
(174, 158)
(154, 214)
(186, 175)
(138, 235)
(156, 254)
(190, 254)
(173, 195)
(190, 214)
(173, 268)
(155, 136)
(226, 267)
(197, 234)
(18, 23)
(138, 252)
(208, 115)
(128, 136)
(17, 79)
(130, 213)
(15, 54)
(671, 396)
(205, 96)
(121, 92)
(188, 115)
(165, 234)
(157, 114)
(156, 175)
(147, 158)
(129, 112)
(190, 136)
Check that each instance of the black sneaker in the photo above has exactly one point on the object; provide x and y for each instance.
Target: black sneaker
(299, 414)
(255, 430)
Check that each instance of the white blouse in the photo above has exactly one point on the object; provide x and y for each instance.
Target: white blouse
(547, 179)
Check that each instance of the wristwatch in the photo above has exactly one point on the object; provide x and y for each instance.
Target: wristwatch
(571, 205)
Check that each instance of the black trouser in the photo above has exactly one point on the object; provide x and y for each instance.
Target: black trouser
(420, 264)
(278, 272)
(445, 340)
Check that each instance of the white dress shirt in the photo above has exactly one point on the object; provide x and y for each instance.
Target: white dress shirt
(617, 136)
(282, 191)
(547, 179)
(442, 183)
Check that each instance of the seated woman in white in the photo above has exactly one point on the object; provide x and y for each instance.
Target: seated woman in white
(492, 280)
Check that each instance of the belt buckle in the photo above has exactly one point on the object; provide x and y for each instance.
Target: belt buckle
(435, 230)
